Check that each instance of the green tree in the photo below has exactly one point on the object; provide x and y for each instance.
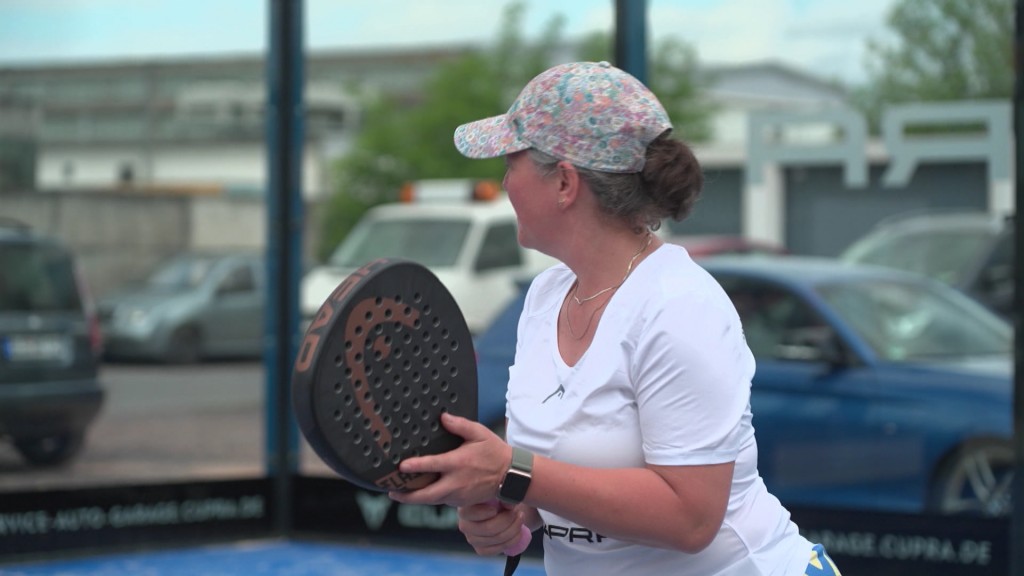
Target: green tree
(402, 141)
(940, 50)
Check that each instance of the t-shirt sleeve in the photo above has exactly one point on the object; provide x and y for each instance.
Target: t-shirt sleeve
(692, 375)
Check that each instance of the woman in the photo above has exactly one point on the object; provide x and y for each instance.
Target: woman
(628, 403)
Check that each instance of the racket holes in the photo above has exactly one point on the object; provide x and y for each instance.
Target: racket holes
(378, 355)
(407, 365)
(426, 361)
(416, 324)
(386, 446)
(436, 321)
(415, 376)
(387, 394)
(358, 331)
(407, 311)
(435, 348)
(387, 367)
(367, 450)
(425, 415)
(348, 372)
(417, 297)
(357, 384)
(376, 435)
(396, 406)
(358, 357)
(406, 418)
(424, 440)
(347, 400)
(426, 308)
(406, 391)
(368, 316)
(453, 397)
(346, 426)
(445, 333)
(454, 371)
(434, 427)
(455, 345)
(415, 429)
(387, 420)
(398, 298)
(435, 375)
(388, 314)
(425, 336)
(337, 414)
(444, 386)
(435, 400)
(378, 301)
(357, 439)
(406, 338)
(425, 388)
(377, 383)
(348, 344)
(415, 403)
(376, 462)
(396, 458)
(405, 445)
(379, 328)
(444, 360)
(416, 350)
(366, 423)
(377, 409)
(339, 360)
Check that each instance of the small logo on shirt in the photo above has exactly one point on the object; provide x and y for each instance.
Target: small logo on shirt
(560, 391)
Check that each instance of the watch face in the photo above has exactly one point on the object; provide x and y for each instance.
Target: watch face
(513, 489)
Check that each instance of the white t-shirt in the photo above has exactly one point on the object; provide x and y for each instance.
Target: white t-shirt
(665, 381)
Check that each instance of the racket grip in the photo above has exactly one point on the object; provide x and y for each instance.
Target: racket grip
(524, 537)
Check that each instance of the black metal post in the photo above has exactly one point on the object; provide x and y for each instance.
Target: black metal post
(631, 37)
(284, 140)
(1017, 520)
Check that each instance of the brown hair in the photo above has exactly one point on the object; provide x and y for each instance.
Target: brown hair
(668, 186)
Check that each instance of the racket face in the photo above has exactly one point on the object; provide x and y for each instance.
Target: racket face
(386, 354)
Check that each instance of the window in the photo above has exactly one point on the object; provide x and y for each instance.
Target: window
(500, 248)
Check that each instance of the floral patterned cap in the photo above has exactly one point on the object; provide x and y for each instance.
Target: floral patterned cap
(592, 114)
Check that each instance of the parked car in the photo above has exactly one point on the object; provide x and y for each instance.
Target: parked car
(704, 245)
(50, 392)
(875, 388)
(471, 246)
(972, 251)
(195, 306)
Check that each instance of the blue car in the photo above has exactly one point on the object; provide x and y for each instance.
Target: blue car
(875, 389)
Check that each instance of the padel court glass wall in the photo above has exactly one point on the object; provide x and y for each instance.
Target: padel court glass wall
(133, 159)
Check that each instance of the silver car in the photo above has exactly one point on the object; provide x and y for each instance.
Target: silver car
(195, 306)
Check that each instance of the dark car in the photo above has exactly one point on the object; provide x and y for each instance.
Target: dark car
(49, 348)
(972, 251)
(194, 306)
(875, 389)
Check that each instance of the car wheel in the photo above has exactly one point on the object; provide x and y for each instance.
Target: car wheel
(183, 346)
(50, 450)
(976, 480)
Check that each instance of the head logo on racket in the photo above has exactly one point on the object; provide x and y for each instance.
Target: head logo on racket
(385, 355)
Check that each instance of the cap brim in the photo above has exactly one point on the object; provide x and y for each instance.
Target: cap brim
(488, 138)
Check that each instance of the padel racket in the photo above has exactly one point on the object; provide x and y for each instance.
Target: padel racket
(387, 352)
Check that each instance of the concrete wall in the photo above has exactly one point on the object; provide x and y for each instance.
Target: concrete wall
(119, 237)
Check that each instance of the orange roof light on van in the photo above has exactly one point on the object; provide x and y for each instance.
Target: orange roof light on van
(449, 190)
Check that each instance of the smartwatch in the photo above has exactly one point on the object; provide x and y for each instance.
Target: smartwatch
(513, 487)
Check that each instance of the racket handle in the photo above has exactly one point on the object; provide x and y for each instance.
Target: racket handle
(524, 537)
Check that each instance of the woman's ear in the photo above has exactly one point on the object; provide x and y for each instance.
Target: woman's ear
(568, 184)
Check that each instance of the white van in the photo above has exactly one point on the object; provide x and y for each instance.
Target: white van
(471, 246)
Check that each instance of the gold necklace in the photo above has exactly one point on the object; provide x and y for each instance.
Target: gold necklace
(629, 269)
(579, 301)
(586, 328)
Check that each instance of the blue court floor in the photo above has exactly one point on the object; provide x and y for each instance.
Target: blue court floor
(277, 558)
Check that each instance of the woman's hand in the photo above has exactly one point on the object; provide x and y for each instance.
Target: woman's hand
(493, 529)
(469, 474)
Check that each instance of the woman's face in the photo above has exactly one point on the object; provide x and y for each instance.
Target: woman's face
(533, 197)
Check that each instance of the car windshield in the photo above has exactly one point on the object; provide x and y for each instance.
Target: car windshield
(905, 321)
(36, 278)
(181, 273)
(942, 255)
(432, 243)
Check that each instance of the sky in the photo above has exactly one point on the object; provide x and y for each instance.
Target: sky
(824, 37)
